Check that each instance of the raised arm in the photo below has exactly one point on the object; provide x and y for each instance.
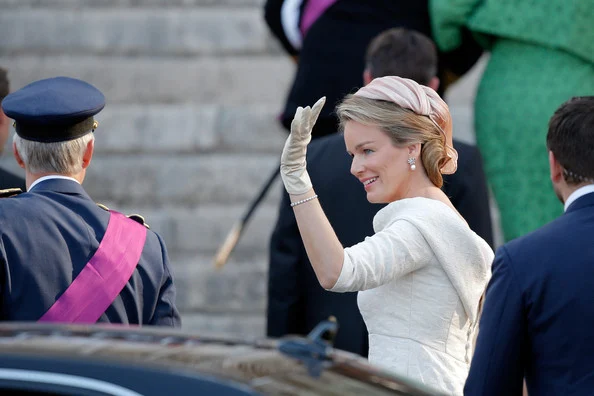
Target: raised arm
(321, 243)
(387, 255)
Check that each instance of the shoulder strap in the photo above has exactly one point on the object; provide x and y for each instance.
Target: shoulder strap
(10, 192)
(104, 276)
(312, 11)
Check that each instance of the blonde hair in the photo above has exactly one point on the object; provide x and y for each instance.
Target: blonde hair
(403, 126)
(56, 157)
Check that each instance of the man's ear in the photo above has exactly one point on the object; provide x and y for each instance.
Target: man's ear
(88, 155)
(17, 156)
(434, 83)
(367, 78)
(555, 168)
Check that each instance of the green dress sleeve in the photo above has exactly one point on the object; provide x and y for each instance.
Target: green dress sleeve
(447, 19)
(564, 25)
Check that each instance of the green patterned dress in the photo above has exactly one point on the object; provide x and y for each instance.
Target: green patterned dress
(542, 54)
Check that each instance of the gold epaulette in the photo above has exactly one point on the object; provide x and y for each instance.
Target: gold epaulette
(136, 217)
(139, 219)
(10, 192)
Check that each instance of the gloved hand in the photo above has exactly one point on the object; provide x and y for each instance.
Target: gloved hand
(293, 166)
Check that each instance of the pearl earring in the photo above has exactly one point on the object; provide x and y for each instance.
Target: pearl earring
(412, 161)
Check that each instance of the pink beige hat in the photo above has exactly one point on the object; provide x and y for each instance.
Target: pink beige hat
(422, 100)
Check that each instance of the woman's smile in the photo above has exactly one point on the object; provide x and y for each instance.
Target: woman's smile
(367, 183)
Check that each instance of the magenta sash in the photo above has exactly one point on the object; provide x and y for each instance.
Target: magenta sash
(104, 276)
(312, 11)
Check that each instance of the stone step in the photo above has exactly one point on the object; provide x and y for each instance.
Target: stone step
(185, 180)
(203, 229)
(233, 80)
(235, 325)
(189, 128)
(135, 31)
(241, 287)
(68, 4)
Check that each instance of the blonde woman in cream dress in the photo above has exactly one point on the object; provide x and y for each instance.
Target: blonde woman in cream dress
(422, 274)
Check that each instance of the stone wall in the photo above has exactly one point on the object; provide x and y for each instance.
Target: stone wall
(188, 135)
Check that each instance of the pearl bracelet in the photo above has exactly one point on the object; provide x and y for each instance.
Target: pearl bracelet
(304, 200)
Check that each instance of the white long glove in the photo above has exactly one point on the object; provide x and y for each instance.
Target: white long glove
(293, 166)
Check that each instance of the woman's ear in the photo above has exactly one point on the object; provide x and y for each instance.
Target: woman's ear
(414, 150)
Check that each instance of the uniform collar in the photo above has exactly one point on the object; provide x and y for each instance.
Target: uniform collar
(50, 177)
(60, 185)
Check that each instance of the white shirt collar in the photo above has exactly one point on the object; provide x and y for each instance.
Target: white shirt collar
(44, 178)
(580, 192)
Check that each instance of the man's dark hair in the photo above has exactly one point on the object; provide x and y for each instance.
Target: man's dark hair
(571, 139)
(404, 53)
(4, 86)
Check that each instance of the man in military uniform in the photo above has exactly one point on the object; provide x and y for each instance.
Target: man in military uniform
(7, 179)
(63, 258)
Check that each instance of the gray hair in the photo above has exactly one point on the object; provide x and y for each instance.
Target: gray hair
(55, 157)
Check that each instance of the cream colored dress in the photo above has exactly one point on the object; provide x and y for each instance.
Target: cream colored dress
(420, 277)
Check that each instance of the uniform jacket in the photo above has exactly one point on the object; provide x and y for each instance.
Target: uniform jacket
(538, 316)
(296, 301)
(49, 234)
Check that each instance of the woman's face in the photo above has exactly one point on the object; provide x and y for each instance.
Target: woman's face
(380, 166)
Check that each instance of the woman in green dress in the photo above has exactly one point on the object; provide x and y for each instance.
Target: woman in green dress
(541, 54)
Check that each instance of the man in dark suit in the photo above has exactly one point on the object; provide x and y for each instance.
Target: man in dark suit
(7, 179)
(296, 301)
(538, 317)
(63, 258)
